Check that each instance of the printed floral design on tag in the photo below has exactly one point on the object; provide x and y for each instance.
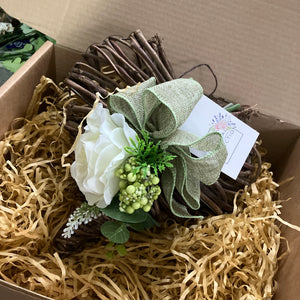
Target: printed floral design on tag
(224, 124)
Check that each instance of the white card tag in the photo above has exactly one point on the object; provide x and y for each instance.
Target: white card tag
(239, 138)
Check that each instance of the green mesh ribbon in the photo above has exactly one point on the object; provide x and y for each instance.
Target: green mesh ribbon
(161, 110)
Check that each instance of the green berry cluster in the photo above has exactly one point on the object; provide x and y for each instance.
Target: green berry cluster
(137, 189)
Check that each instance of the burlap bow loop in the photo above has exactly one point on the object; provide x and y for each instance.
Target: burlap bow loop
(161, 110)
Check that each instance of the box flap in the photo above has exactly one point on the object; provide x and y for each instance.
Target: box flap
(10, 291)
(15, 93)
(252, 47)
(277, 137)
(289, 270)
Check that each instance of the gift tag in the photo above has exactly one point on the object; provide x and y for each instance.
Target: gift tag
(239, 138)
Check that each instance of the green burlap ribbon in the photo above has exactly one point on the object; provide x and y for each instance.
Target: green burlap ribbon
(160, 110)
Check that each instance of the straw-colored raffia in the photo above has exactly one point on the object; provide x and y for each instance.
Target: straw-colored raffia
(230, 256)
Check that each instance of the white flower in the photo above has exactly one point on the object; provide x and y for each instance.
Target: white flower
(98, 153)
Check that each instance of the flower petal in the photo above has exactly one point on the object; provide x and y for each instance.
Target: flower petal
(98, 153)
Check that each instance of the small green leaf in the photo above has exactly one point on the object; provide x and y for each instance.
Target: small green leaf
(110, 245)
(116, 232)
(37, 42)
(148, 153)
(132, 142)
(136, 170)
(110, 254)
(150, 222)
(26, 29)
(13, 65)
(121, 250)
(137, 227)
(144, 172)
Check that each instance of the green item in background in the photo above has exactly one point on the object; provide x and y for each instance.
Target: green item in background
(4, 75)
(17, 45)
(13, 65)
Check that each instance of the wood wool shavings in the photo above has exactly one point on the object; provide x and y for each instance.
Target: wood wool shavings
(230, 256)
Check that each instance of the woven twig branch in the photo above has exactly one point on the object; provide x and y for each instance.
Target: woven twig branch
(119, 62)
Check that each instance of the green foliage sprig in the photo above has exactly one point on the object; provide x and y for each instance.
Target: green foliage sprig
(147, 156)
(116, 230)
(115, 248)
(148, 153)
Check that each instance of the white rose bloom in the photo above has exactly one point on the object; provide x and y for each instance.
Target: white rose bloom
(98, 153)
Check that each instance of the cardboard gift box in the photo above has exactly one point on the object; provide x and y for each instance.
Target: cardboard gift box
(16, 92)
(252, 47)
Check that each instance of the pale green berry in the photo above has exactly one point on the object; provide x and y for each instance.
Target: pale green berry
(122, 184)
(155, 180)
(148, 171)
(119, 172)
(131, 177)
(127, 167)
(147, 208)
(136, 205)
(130, 210)
(144, 201)
(130, 189)
(132, 161)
